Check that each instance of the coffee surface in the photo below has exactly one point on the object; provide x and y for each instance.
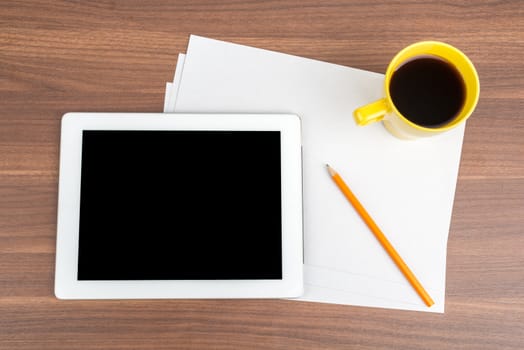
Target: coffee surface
(428, 91)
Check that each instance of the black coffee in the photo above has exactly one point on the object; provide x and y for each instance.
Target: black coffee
(428, 91)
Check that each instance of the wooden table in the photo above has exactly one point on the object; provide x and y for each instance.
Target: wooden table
(60, 56)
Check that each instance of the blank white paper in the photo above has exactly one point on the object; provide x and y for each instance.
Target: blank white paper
(172, 88)
(407, 186)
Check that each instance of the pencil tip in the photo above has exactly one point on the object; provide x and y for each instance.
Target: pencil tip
(330, 170)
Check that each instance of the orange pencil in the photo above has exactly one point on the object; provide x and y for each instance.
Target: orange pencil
(380, 236)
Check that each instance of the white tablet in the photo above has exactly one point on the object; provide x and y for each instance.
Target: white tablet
(179, 206)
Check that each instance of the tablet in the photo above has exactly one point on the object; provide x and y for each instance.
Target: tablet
(179, 206)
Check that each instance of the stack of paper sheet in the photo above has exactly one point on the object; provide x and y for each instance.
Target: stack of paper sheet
(407, 186)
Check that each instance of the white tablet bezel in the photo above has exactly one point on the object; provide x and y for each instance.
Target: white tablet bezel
(67, 286)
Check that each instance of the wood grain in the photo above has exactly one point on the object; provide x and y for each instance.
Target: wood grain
(60, 56)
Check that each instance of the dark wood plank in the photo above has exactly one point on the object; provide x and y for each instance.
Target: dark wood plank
(65, 56)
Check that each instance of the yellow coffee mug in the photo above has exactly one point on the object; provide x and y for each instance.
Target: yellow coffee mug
(399, 125)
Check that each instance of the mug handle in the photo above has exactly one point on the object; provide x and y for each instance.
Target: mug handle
(370, 113)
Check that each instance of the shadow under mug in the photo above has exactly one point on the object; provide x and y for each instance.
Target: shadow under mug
(397, 124)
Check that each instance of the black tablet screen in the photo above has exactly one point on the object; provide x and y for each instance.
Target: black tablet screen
(180, 205)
